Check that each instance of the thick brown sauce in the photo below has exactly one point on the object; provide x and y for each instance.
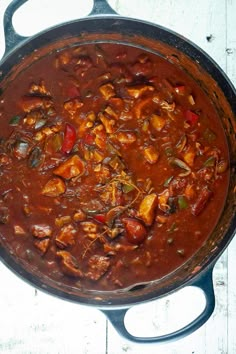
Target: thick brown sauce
(150, 176)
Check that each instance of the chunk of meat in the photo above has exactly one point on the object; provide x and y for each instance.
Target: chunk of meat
(54, 187)
(73, 105)
(29, 103)
(126, 137)
(41, 231)
(69, 264)
(157, 122)
(108, 123)
(139, 90)
(107, 91)
(147, 208)
(98, 266)
(39, 89)
(66, 237)
(135, 231)
(89, 227)
(150, 154)
(42, 245)
(72, 167)
(100, 136)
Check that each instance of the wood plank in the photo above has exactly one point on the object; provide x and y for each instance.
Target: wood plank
(34, 322)
(231, 71)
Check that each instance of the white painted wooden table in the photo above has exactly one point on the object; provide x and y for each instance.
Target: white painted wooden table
(32, 322)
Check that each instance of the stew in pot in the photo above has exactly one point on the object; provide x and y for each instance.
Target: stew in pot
(113, 166)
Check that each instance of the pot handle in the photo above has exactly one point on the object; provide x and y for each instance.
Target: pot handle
(12, 38)
(101, 7)
(205, 283)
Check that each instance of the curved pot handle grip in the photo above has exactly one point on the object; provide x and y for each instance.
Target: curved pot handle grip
(101, 7)
(11, 37)
(205, 283)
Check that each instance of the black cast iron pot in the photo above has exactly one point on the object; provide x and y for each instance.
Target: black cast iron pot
(104, 25)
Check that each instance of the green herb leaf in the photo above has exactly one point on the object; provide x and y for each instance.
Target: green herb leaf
(127, 188)
(15, 120)
(210, 162)
(182, 202)
(167, 181)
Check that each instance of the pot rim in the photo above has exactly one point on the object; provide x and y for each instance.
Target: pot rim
(153, 32)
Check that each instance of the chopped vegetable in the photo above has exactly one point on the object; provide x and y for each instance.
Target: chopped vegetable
(222, 166)
(179, 163)
(210, 162)
(35, 158)
(147, 208)
(72, 167)
(108, 123)
(150, 154)
(69, 139)
(107, 91)
(180, 90)
(138, 90)
(182, 202)
(167, 181)
(191, 117)
(73, 105)
(157, 122)
(54, 187)
(15, 120)
(181, 144)
(100, 217)
(126, 137)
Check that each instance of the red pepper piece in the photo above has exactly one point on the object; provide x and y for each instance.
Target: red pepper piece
(69, 138)
(191, 117)
(180, 90)
(89, 139)
(100, 218)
